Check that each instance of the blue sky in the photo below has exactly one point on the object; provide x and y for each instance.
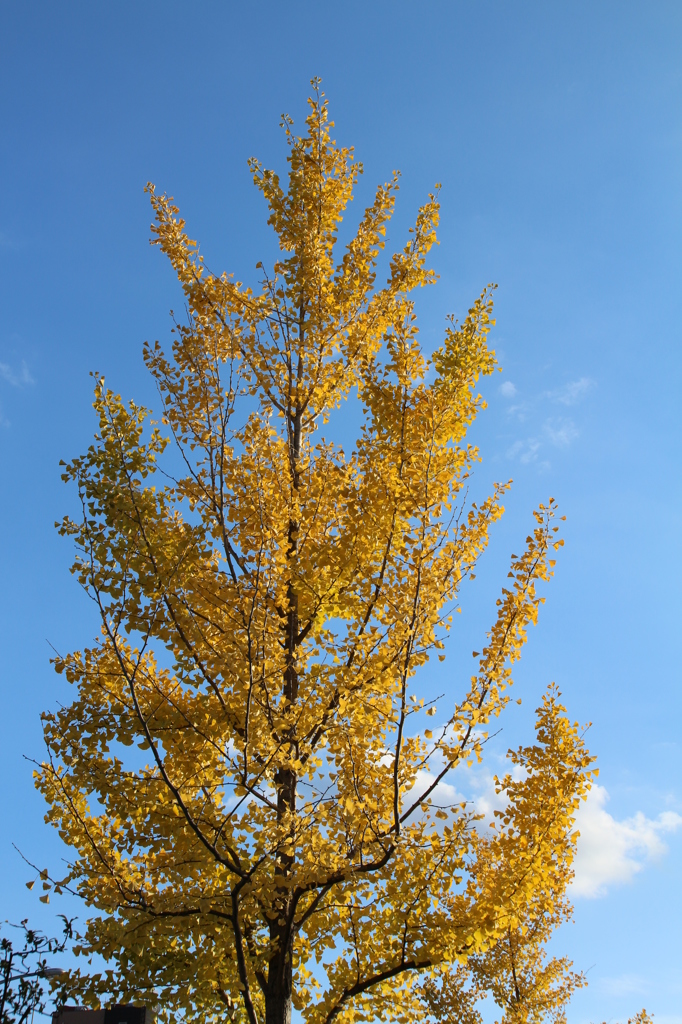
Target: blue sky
(556, 131)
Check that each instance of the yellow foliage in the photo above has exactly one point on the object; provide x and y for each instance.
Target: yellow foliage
(239, 773)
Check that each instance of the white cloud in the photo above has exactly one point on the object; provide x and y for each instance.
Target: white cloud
(526, 451)
(486, 799)
(612, 852)
(17, 380)
(508, 390)
(443, 795)
(572, 392)
(560, 431)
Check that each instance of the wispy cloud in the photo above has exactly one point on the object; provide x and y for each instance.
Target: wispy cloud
(560, 432)
(19, 379)
(525, 451)
(573, 392)
(8, 240)
(624, 985)
(612, 852)
(556, 431)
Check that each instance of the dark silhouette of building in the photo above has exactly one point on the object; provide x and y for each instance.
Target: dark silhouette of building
(118, 1014)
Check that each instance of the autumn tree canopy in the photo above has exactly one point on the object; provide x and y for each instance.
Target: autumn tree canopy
(245, 776)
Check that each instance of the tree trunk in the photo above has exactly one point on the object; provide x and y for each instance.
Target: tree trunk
(279, 982)
(278, 994)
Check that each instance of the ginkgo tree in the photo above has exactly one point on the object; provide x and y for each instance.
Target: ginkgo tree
(245, 776)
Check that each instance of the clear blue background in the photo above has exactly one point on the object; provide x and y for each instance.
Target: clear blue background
(556, 130)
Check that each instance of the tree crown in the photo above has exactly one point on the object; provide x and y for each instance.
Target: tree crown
(264, 612)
